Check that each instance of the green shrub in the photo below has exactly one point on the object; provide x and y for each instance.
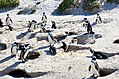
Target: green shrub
(90, 5)
(8, 3)
(67, 5)
(111, 1)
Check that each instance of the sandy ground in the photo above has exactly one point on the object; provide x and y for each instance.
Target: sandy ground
(64, 65)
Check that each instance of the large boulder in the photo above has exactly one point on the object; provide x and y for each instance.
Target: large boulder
(41, 36)
(3, 43)
(28, 10)
(3, 46)
(32, 55)
(86, 38)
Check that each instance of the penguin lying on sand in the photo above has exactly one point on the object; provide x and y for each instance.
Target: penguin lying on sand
(102, 55)
(98, 55)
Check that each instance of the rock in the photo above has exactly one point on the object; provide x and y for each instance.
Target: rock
(86, 39)
(41, 36)
(116, 41)
(32, 55)
(28, 10)
(18, 73)
(106, 71)
(3, 46)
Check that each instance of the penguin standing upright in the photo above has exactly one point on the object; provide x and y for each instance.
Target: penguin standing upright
(9, 22)
(32, 25)
(65, 46)
(52, 50)
(98, 19)
(1, 23)
(53, 25)
(29, 26)
(44, 18)
(51, 38)
(88, 26)
(14, 49)
(94, 68)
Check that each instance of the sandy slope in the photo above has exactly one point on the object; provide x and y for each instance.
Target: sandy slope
(58, 66)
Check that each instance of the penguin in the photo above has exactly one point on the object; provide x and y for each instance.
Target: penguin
(52, 50)
(1, 23)
(29, 26)
(51, 38)
(98, 55)
(88, 26)
(44, 18)
(98, 19)
(53, 25)
(24, 48)
(94, 68)
(65, 46)
(9, 22)
(14, 49)
(33, 25)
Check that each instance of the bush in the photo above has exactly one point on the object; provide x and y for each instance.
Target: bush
(8, 3)
(67, 6)
(111, 1)
(91, 5)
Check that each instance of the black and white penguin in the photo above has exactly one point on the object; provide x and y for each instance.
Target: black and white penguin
(94, 68)
(65, 46)
(52, 50)
(98, 19)
(98, 55)
(8, 22)
(44, 18)
(88, 26)
(51, 38)
(53, 25)
(24, 48)
(33, 25)
(14, 49)
(1, 23)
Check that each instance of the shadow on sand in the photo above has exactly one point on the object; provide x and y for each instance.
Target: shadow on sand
(6, 9)
(22, 35)
(6, 59)
(13, 66)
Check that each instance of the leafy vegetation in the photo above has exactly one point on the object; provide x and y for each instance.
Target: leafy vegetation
(8, 3)
(116, 1)
(67, 6)
(90, 5)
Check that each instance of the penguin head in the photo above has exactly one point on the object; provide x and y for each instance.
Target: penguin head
(92, 51)
(93, 58)
(7, 14)
(85, 18)
(43, 13)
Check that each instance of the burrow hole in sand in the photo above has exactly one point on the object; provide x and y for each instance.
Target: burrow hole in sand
(106, 71)
(3, 46)
(18, 73)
